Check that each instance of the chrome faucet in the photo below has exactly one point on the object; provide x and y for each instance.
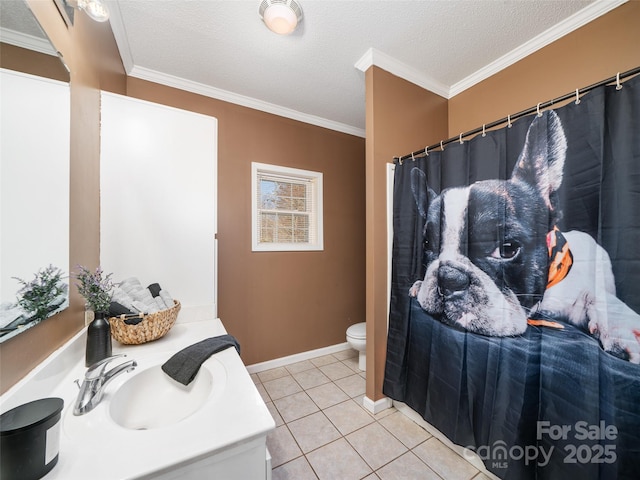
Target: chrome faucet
(95, 379)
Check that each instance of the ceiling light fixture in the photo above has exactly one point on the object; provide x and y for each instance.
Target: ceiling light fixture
(280, 16)
(96, 9)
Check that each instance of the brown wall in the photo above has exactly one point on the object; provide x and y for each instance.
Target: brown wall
(596, 51)
(89, 73)
(400, 117)
(282, 303)
(34, 63)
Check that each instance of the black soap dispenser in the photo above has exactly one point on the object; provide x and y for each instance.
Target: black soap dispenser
(98, 340)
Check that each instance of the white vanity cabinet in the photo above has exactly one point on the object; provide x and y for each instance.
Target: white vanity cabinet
(224, 439)
(158, 198)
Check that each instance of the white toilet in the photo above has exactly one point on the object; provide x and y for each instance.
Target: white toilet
(357, 339)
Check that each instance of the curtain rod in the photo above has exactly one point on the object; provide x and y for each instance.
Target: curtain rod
(515, 116)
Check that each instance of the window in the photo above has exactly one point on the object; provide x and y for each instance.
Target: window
(287, 208)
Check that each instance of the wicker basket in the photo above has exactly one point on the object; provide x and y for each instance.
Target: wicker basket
(153, 326)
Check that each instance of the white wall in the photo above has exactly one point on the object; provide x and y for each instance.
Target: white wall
(158, 179)
(34, 178)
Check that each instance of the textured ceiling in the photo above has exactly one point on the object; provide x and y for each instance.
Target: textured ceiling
(221, 48)
(225, 45)
(19, 27)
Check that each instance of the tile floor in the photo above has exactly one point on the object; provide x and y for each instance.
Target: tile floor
(324, 433)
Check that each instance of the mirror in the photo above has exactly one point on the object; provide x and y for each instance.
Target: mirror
(34, 172)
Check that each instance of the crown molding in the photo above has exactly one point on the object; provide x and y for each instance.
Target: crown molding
(402, 70)
(575, 21)
(370, 58)
(399, 69)
(120, 35)
(365, 61)
(29, 42)
(224, 95)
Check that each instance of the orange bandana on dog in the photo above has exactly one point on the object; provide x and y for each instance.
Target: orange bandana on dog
(560, 257)
(560, 262)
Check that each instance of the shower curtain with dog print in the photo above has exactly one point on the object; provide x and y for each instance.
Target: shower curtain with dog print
(514, 324)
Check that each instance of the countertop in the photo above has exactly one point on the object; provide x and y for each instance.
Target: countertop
(93, 446)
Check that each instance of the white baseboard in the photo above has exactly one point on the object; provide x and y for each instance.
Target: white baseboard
(468, 455)
(378, 405)
(298, 357)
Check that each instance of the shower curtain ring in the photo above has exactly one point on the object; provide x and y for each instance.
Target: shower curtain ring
(426, 151)
(460, 139)
(441, 146)
(509, 121)
(538, 110)
(400, 160)
(577, 97)
(483, 132)
(412, 157)
(618, 86)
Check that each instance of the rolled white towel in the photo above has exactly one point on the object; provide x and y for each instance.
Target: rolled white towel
(167, 299)
(140, 307)
(122, 298)
(129, 285)
(129, 289)
(143, 295)
(116, 291)
(152, 306)
(131, 281)
(135, 291)
(160, 303)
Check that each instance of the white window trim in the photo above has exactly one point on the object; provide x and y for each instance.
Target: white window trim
(316, 217)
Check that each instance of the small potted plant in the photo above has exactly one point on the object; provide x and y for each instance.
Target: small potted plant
(96, 288)
(43, 294)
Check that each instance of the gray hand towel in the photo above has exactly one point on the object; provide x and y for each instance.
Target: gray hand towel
(154, 288)
(184, 365)
(116, 309)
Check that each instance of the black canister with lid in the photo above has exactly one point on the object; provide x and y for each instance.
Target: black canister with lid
(30, 439)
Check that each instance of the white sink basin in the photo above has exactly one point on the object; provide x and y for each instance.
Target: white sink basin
(152, 399)
(148, 399)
